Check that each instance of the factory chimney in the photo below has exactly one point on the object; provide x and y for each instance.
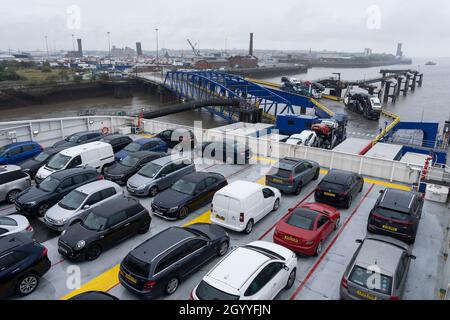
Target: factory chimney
(139, 49)
(251, 45)
(80, 48)
(399, 50)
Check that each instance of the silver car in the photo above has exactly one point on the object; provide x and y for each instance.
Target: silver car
(378, 270)
(159, 175)
(12, 182)
(72, 207)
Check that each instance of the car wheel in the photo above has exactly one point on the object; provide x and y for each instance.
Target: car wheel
(27, 284)
(144, 228)
(276, 205)
(93, 252)
(153, 191)
(249, 227)
(319, 249)
(12, 195)
(183, 213)
(349, 202)
(291, 279)
(298, 190)
(172, 286)
(316, 176)
(337, 224)
(42, 210)
(362, 187)
(223, 249)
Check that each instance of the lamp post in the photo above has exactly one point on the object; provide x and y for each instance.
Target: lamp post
(73, 42)
(109, 44)
(157, 46)
(46, 46)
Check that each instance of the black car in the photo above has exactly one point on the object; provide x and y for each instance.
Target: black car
(104, 227)
(157, 266)
(32, 166)
(22, 262)
(35, 201)
(94, 296)
(122, 170)
(187, 194)
(79, 138)
(226, 151)
(397, 213)
(174, 137)
(117, 141)
(339, 188)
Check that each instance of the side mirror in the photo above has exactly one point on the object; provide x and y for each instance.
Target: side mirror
(359, 241)
(86, 207)
(412, 257)
(291, 209)
(285, 267)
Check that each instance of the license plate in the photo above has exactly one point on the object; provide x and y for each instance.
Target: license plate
(366, 295)
(277, 180)
(390, 228)
(130, 278)
(131, 191)
(220, 217)
(329, 194)
(291, 239)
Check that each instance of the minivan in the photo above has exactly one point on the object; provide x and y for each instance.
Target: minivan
(98, 155)
(159, 175)
(12, 182)
(241, 204)
(16, 153)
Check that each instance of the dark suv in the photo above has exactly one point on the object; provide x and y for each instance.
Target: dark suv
(22, 262)
(35, 201)
(117, 141)
(396, 213)
(79, 138)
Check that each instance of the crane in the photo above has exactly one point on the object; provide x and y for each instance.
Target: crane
(196, 52)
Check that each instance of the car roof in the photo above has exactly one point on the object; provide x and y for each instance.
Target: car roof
(53, 150)
(13, 241)
(9, 168)
(303, 135)
(240, 189)
(399, 200)
(70, 172)
(114, 136)
(142, 154)
(97, 186)
(290, 163)
(114, 205)
(74, 151)
(146, 140)
(80, 133)
(200, 176)
(21, 143)
(381, 251)
(156, 245)
(338, 176)
(173, 157)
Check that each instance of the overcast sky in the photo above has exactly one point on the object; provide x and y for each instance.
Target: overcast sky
(347, 25)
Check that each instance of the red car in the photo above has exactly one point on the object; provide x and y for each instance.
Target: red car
(305, 229)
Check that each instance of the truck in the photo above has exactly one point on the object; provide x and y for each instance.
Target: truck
(363, 103)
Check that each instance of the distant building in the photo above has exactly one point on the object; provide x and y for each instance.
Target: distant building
(122, 52)
(243, 62)
(367, 52)
(212, 64)
(399, 50)
(139, 49)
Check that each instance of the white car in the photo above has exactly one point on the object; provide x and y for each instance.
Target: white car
(241, 204)
(306, 138)
(80, 200)
(13, 224)
(257, 271)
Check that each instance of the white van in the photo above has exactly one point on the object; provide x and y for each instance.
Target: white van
(241, 204)
(95, 154)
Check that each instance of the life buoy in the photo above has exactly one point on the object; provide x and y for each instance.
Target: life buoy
(105, 130)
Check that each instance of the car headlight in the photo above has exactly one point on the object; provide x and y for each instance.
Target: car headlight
(30, 204)
(80, 244)
(61, 221)
(174, 209)
(26, 170)
(141, 187)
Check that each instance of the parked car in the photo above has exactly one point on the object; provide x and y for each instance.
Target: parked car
(339, 188)
(377, 256)
(79, 138)
(158, 265)
(117, 141)
(290, 175)
(187, 194)
(98, 155)
(305, 229)
(23, 262)
(16, 153)
(306, 138)
(32, 166)
(77, 203)
(12, 182)
(159, 175)
(104, 227)
(227, 151)
(257, 271)
(94, 296)
(35, 201)
(174, 137)
(397, 213)
(122, 170)
(13, 224)
(241, 204)
(145, 144)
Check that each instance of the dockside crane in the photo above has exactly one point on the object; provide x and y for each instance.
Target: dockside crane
(196, 52)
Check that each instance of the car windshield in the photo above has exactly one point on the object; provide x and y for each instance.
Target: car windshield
(129, 161)
(207, 292)
(362, 277)
(73, 200)
(133, 147)
(49, 184)
(393, 214)
(41, 157)
(150, 170)
(3, 151)
(94, 222)
(58, 162)
(303, 219)
(72, 138)
(183, 186)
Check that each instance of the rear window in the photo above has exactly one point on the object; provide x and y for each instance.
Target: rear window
(332, 186)
(392, 214)
(302, 219)
(136, 266)
(207, 292)
(280, 172)
(363, 278)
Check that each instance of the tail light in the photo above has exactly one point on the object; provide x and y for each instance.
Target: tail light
(241, 217)
(29, 228)
(212, 207)
(148, 286)
(45, 252)
(394, 298)
(101, 178)
(191, 295)
(291, 179)
(344, 282)
(318, 189)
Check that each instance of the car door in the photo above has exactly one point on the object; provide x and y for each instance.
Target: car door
(64, 188)
(269, 201)
(300, 174)
(267, 284)
(198, 253)
(309, 171)
(117, 229)
(324, 227)
(11, 264)
(13, 155)
(353, 185)
(201, 195)
(165, 176)
(75, 162)
(401, 275)
(26, 153)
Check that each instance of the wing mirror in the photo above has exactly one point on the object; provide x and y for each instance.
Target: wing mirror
(360, 241)
(86, 207)
(412, 257)
(285, 267)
